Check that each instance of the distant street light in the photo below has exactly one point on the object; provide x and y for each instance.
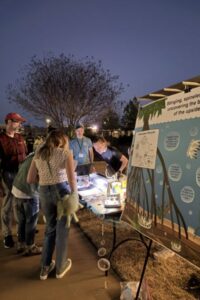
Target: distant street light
(94, 128)
(48, 121)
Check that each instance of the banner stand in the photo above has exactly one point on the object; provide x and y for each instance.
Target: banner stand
(140, 239)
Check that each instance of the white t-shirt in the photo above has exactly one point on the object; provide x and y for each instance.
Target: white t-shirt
(57, 164)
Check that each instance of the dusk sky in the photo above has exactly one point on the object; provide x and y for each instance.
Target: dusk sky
(150, 44)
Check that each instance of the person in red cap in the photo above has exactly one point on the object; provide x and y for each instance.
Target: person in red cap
(12, 153)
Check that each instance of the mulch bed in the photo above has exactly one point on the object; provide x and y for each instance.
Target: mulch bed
(165, 278)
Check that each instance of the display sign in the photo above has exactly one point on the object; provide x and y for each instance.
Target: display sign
(163, 187)
(145, 149)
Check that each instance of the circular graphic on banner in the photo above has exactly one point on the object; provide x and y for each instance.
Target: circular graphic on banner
(187, 194)
(171, 141)
(198, 176)
(193, 131)
(175, 172)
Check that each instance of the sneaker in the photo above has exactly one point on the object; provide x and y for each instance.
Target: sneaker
(32, 250)
(45, 271)
(8, 242)
(65, 269)
(21, 247)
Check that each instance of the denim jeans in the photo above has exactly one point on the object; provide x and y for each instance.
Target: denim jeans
(8, 204)
(27, 213)
(56, 233)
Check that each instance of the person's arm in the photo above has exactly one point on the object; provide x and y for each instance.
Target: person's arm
(70, 172)
(74, 160)
(124, 162)
(75, 164)
(90, 149)
(91, 154)
(32, 176)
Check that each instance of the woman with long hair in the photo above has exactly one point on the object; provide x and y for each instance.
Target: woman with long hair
(54, 166)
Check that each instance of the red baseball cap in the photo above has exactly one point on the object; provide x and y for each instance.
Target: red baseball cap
(15, 117)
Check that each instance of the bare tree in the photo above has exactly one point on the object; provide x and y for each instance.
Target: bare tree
(65, 89)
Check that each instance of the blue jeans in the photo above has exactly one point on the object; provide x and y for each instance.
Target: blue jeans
(8, 204)
(56, 233)
(27, 213)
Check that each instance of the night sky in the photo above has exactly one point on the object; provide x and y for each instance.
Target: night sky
(150, 44)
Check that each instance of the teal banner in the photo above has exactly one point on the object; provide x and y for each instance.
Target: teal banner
(163, 187)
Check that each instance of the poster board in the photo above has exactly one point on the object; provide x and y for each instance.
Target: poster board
(163, 187)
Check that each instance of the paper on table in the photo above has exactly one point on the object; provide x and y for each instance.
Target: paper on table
(90, 192)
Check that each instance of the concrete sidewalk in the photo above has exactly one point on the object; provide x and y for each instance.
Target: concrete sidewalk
(19, 276)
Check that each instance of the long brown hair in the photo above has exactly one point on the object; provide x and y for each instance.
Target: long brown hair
(54, 139)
